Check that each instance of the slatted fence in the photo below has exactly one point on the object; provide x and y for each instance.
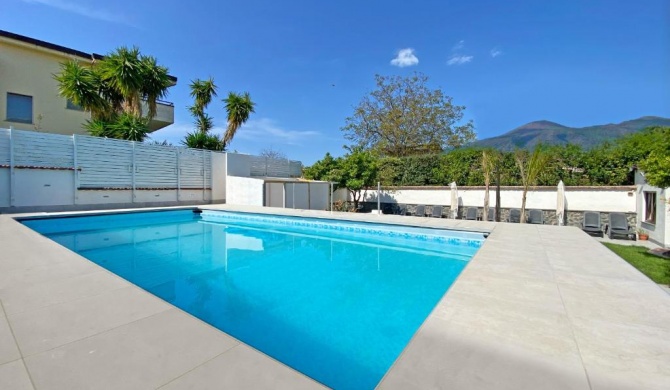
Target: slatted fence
(102, 163)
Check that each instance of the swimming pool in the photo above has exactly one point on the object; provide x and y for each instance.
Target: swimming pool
(335, 300)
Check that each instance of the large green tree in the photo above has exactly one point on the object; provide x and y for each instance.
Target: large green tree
(656, 166)
(112, 90)
(403, 116)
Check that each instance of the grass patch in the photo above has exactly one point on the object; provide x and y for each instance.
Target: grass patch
(656, 268)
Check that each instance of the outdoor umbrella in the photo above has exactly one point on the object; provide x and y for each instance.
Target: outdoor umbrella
(560, 203)
(454, 200)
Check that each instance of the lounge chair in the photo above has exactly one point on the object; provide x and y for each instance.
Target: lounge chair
(400, 209)
(591, 223)
(618, 226)
(437, 212)
(420, 211)
(536, 217)
(471, 214)
(491, 215)
(514, 216)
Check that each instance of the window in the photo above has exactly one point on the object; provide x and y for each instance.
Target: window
(19, 108)
(649, 207)
(71, 106)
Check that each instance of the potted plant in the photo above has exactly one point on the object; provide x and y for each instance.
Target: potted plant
(642, 234)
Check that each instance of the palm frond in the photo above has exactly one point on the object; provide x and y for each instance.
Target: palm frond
(239, 107)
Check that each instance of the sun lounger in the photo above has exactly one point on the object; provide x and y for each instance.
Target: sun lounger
(536, 217)
(437, 212)
(471, 214)
(618, 226)
(420, 211)
(591, 223)
(514, 216)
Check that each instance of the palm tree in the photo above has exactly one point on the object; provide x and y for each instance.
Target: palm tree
(239, 108)
(114, 86)
(202, 92)
(491, 161)
(530, 167)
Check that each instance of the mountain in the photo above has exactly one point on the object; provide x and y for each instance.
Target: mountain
(551, 133)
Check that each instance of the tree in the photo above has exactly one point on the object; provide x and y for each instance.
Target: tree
(239, 107)
(530, 167)
(202, 92)
(357, 172)
(403, 117)
(273, 154)
(112, 90)
(656, 166)
(322, 170)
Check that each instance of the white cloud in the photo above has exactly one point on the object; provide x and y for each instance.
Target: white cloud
(458, 46)
(405, 58)
(265, 131)
(81, 9)
(495, 52)
(459, 59)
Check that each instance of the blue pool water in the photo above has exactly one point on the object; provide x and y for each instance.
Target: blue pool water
(335, 300)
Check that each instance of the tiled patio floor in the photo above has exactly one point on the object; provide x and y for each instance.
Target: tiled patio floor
(537, 307)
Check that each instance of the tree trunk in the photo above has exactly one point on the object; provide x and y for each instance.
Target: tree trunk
(497, 217)
(485, 217)
(523, 205)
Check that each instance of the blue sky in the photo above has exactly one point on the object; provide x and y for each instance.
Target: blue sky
(574, 62)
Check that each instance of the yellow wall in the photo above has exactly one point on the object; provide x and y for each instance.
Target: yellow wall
(28, 70)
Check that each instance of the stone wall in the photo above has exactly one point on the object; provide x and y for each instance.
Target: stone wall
(572, 218)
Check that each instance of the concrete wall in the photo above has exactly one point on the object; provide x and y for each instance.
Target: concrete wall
(43, 187)
(218, 177)
(607, 199)
(244, 190)
(659, 232)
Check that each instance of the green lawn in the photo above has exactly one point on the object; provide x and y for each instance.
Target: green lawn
(656, 268)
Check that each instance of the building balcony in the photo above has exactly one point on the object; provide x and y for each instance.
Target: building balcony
(164, 115)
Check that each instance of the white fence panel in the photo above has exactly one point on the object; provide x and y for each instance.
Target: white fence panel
(155, 166)
(269, 167)
(195, 168)
(4, 147)
(104, 163)
(33, 149)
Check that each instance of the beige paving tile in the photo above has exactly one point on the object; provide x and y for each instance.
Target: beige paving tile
(522, 291)
(64, 267)
(618, 307)
(8, 349)
(13, 376)
(32, 296)
(525, 326)
(142, 355)
(242, 368)
(619, 356)
(49, 327)
(443, 356)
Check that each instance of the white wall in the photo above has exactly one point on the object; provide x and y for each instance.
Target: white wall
(43, 187)
(319, 196)
(4, 187)
(218, 177)
(659, 231)
(244, 190)
(238, 164)
(606, 199)
(298, 193)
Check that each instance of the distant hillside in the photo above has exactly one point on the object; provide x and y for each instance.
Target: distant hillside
(550, 133)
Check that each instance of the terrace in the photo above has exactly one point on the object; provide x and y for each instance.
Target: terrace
(537, 307)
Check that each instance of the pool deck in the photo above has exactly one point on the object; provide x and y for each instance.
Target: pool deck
(537, 307)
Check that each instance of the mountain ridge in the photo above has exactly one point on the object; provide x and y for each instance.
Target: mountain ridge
(551, 133)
